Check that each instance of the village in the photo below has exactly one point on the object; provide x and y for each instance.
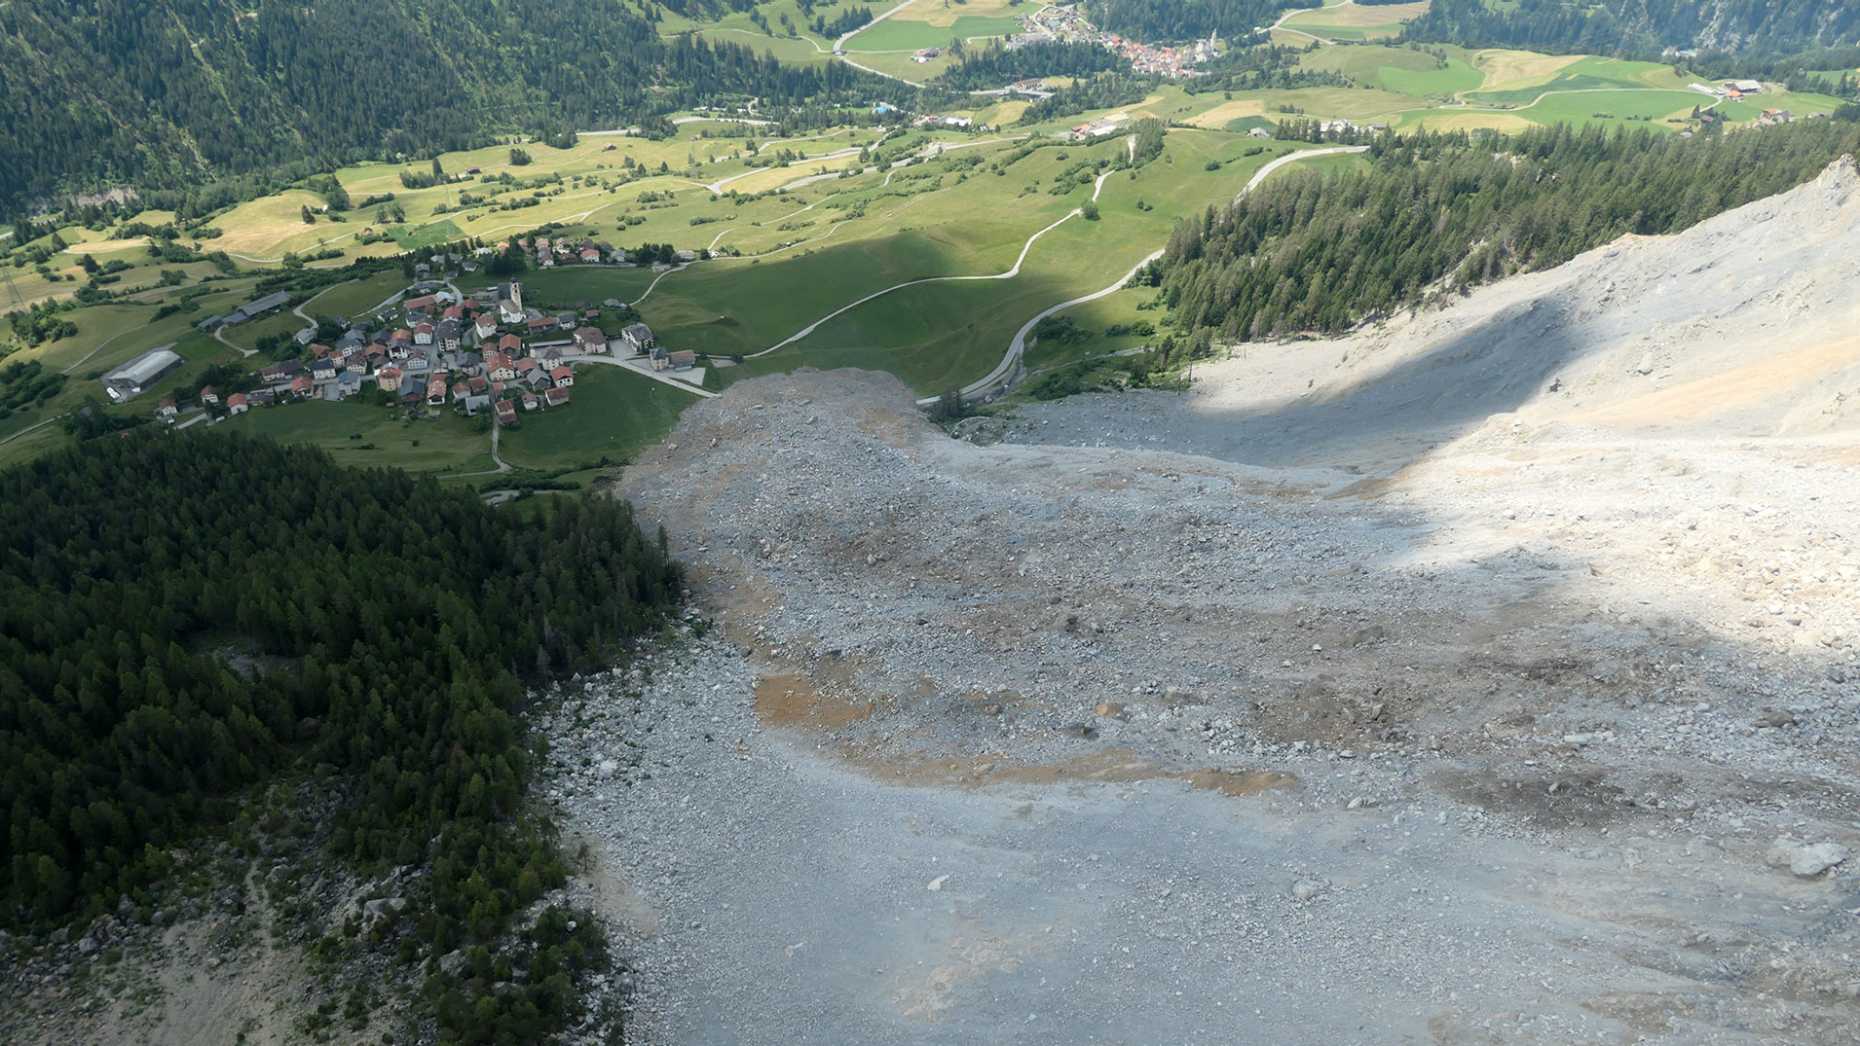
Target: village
(1068, 23)
(486, 351)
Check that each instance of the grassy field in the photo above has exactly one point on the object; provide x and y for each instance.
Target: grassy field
(246, 335)
(1348, 21)
(939, 335)
(109, 336)
(614, 414)
(1399, 70)
(571, 285)
(363, 435)
(24, 447)
(1587, 74)
(1090, 325)
(900, 33)
(357, 297)
(1459, 119)
(586, 182)
(803, 49)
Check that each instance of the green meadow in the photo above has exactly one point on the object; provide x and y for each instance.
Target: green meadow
(898, 34)
(614, 415)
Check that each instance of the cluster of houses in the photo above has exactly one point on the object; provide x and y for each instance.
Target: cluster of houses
(1067, 22)
(548, 253)
(489, 352)
(1085, 132)
(1730, 90)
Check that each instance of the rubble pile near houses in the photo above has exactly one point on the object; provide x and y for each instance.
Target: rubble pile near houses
(1502, 666)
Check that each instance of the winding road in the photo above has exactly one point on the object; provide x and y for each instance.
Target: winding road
(1010, 362)
(1097, 187)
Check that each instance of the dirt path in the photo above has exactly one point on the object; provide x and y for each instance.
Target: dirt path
(34, 427)
(1005, 371)
(219, 335)
(106, 343)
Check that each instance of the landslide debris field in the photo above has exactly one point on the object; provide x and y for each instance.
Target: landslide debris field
(1490, 677)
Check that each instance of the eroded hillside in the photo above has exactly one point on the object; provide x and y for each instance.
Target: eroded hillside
(1490, 678)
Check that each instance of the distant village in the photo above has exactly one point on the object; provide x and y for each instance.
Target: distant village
(487, 351)
(1068, 23)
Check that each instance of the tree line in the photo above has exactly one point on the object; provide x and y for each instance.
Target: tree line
(1323, 252)
(995, 65)
(173, 95)
(1640, 27)
(1189, 19)
(397, 625)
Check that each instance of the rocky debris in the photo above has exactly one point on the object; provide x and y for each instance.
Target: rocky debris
(380, 909)
(1408, 619)
(1805, 860)
(982, 430)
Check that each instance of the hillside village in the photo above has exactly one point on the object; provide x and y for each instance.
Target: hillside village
(488, 350)
(1067, 23)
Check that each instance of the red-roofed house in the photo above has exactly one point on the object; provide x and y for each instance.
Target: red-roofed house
(436, 390)
(209, 396)
(530, 401)
(563, 377)
(387, 379)
(510, 345)
(420, 304)
(422, 334)
(484, 326)
(300, 385)
(556, 397)
(497, 367)
(506, 413)
(235, 403)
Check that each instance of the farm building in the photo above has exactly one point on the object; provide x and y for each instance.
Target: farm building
(255, 308)
(128, 381)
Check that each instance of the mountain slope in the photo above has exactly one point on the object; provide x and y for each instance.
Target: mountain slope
(1642, 25)
(167, 92)
(1742, 326)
